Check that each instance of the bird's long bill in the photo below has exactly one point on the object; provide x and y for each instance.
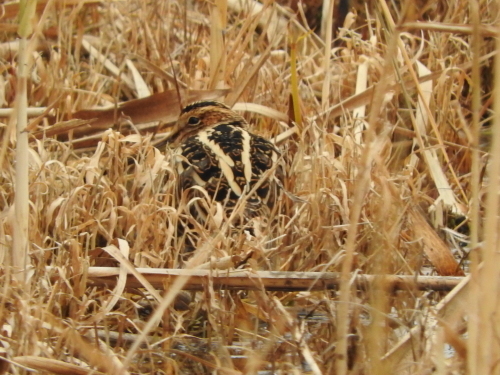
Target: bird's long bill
(170, 138)
(179, 134)
(172, 134)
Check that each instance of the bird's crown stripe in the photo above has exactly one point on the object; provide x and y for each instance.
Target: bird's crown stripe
(201, 104)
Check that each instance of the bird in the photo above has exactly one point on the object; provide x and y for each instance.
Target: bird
(215, 151)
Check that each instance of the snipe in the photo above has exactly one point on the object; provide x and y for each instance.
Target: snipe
(215, 151)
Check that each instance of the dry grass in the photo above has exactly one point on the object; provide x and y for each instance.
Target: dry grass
(377, 148)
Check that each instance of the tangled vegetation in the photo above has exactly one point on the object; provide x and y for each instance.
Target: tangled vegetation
(382, 116)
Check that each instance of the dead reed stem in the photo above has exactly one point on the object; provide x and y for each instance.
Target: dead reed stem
(21, 247)
(269, 280)
(370, 150)
(486, 348)
(328, 29)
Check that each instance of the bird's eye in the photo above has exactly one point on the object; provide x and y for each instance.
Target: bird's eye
(193, 121)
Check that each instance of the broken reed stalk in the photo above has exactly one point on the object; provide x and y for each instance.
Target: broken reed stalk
(269, 280)
(21, 200)
(20, 240)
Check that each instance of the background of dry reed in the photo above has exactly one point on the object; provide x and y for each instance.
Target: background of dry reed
(92, 188)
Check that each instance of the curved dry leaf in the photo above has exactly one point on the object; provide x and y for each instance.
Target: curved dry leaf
(261, 110)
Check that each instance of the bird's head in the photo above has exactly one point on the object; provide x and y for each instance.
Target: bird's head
(202, 115)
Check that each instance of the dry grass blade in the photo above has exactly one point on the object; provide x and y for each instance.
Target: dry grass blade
(266, 15)
(445, 192)
(126, 266)
(261, 110)
(107, 63)
(359, 112)
(250, 72)
(141, 86)
(53, 366)
(484, 30)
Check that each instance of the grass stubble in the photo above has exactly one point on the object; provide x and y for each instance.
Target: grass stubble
(363, 183)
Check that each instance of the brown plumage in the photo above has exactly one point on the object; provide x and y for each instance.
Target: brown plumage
(215, 151)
